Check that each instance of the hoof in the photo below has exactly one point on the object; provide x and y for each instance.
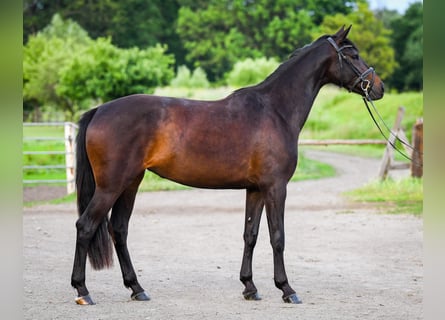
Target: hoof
(85, 300)
(141, 296)
(252, 296)
(292, 299)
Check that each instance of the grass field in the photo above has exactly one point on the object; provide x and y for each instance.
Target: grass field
(43, 159)
(393, 196)
(337, 114)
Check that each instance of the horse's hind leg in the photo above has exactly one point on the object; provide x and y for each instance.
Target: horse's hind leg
(120, 216)
(254, 208)
(91, 221)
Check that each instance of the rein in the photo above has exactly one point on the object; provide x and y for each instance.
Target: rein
(365, 85)
(365, 100)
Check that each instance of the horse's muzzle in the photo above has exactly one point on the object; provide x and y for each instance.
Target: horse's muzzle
(377, 91)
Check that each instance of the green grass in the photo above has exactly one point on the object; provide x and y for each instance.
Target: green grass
(43, 159)
(153, 182)
(338, 114)
(65, 199)
(393, 196)
(308, 169)
(43, 131)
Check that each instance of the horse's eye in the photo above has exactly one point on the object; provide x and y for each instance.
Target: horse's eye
(354, 56)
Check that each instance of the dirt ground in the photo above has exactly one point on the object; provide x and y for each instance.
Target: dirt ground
(345, 260)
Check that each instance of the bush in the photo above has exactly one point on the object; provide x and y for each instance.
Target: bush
(185, 79)
(249, 71)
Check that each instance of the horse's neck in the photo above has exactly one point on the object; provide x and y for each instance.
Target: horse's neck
(294, 89)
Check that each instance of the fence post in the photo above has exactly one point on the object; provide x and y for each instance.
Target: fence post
(70, 133)
(389, 151)
(417, 155)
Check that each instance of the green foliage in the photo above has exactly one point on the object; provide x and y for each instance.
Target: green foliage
(370, 36)
(44, 56)
(65, 69)
(321, 8)
(104, 72)
(209, 39)
(223, 32)
(394, 196)
(185, 79)
(194, 93)
(131, 23)
(250, 71)
(407, 40)
(215, 34)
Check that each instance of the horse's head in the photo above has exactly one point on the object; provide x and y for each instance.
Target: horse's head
(348, 69)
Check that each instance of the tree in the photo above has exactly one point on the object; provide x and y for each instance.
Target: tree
(249, 72)
(224, 32)
(322, 8)
(369, 34)
(140, 23)
(104, 72)
(213, 34)
(407, 41)
(44, 56)
(65, 69)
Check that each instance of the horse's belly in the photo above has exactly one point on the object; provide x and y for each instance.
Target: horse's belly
(204, 174)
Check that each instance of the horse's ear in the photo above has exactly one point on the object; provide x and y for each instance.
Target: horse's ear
(342, 33)
(347, 31)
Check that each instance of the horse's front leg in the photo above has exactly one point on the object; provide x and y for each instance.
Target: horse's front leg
(254, 209)
(274, 200)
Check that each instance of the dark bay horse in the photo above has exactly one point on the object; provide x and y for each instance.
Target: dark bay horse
(247, 140)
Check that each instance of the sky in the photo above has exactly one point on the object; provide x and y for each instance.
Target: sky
(399, 5)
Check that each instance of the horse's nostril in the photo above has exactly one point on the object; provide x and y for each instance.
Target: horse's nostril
(382, 86)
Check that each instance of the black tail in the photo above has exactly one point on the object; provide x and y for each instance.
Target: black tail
(100, 251)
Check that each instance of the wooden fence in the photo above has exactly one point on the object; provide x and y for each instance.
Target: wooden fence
(70, 130)
(413, 150)
(327, 142)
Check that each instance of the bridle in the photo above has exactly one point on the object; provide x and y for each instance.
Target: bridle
(367, 85)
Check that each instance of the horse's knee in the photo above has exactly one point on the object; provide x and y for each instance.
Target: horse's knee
(250, 239)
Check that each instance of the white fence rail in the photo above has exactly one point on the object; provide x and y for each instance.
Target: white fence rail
(69, 138)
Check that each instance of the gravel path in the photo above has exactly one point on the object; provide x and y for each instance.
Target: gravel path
(345, 260)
